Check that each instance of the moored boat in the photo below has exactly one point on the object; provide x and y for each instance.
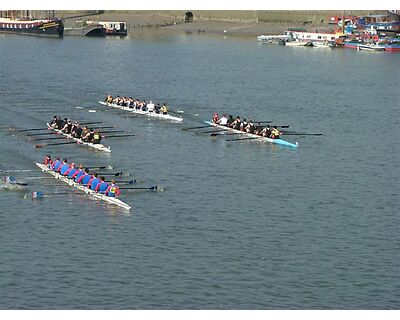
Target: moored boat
(251, 135)
(96, 146)
(144, 113)
(88, 191)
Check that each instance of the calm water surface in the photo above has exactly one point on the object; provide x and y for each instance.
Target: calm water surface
(241, 225)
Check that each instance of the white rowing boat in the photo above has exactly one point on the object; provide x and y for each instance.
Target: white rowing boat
(97, 146)
(80, 187)
(144, 113)
(256, 137)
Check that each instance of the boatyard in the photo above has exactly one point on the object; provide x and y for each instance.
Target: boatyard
(199, 160)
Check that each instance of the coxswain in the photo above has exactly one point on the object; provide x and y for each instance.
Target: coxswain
(223, 121)
(113, 190)
(93, 182)
(78, 173)
(67, 127)
(215, 118)
(56, 164)
(102, 186)
(84, 178)
(275, 134)
(71, 168)
(236, 123)
(64, 167)
(266, 132)
(96, 137)
(109, 99)
(54, 123)
(164, 109)
(47, 161)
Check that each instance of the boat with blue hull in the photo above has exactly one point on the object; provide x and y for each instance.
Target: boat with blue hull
(256, 137)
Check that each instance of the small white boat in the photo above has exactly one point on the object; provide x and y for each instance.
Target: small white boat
(91, 193)
(144, 113)
(323, 45)
(298, 43)
(96, 146)
(371, 47)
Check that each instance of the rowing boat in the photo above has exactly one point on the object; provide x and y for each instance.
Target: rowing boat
(252, 135)
(144, 113)
(80, 187)
(97, 146)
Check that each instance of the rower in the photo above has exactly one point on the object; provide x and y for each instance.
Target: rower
(223, 121)
(257, 129)
(113, 190)
(93, 182)
(164, 109)
(96, 137)
(78, 173)
(150, 106)
(215, 118)
(266, 132)
(243, 125)
(230, 120)
(102, 186)
(250, 127)
(71, 168)
(236, 123)
(84, 178)
(275, 134)
(157, 108)
(47, 161)
(56, 164)
(77, 131)
(64, 167)
(89, 136)
(67, 127)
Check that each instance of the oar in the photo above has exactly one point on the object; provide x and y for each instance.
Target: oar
(122, 135)
(41, 134)
(224, 134)
(13, 180)
(86, 123)
(152, 188)
(196, 127)
(36, 129)
(95, 128)
(49, 138)
(53, 144)
(115, 131)
(268, 121)
(117, 174)
(251, 138)
(100, 167)
(39, 195)
(126, 181)
(212, 131)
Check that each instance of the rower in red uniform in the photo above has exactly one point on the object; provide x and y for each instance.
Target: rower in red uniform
(47, 161)
(113, 190)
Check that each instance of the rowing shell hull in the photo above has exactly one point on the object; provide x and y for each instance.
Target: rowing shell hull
(88, 191)
(251, 135)
(99, 146)
(144, 113)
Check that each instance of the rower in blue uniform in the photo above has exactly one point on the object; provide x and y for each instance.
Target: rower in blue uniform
(85, 178)
(64, 167)
(102, 186)
(56, 164)
(93, 182)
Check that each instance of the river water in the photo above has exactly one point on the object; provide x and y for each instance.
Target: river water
(240, 225)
